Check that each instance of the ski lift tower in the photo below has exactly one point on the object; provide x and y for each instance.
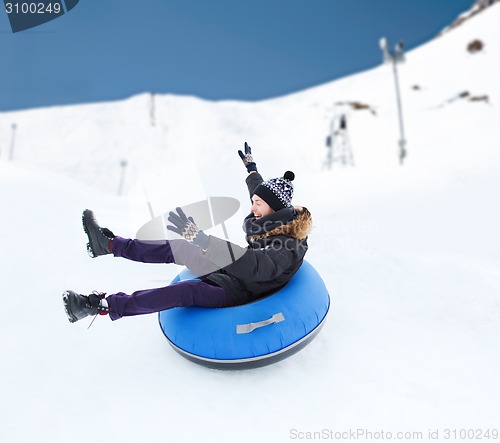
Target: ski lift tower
(123, 164)
(395, 57)
(338, 143)
(12, 141)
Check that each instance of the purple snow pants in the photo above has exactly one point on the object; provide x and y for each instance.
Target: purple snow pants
(191, 293)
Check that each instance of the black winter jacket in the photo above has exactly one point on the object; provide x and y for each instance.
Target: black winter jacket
(277, 244)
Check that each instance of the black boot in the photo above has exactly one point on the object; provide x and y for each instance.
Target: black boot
(79, 306)
(99, 238)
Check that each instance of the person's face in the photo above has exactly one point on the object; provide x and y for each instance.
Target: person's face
(259, 207)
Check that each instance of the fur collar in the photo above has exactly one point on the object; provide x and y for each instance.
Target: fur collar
(296, 222)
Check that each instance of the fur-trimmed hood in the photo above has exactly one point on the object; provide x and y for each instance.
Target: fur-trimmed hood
(295, 222)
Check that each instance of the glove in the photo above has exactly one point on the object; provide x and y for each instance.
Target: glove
(248, 159)
(187, 228)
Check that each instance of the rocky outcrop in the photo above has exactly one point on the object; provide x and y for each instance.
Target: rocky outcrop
(478, 7)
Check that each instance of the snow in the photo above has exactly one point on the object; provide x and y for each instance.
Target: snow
(410, 255)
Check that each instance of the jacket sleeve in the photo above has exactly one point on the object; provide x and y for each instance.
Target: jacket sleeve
(253, 180)
(258, 264)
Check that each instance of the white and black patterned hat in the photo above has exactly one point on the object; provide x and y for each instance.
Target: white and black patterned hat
(277, 192)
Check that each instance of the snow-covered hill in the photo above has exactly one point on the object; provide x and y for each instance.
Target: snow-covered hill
(150, 131)
(410, 254)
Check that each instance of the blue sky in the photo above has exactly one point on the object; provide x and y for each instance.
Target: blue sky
(219, 49)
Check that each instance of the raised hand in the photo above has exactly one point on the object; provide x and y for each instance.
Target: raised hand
(248, 159)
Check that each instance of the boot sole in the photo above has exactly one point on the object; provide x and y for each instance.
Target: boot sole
(67, 307)
(88, 214)
(89, 245)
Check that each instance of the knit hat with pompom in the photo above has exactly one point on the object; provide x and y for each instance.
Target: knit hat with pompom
(277, 192)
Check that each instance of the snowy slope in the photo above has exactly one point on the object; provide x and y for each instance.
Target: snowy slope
(411, 343)
(410, 254)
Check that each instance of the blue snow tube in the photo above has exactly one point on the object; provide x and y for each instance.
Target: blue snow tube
(251, 335)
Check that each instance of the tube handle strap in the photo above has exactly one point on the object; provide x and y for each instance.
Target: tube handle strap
(249, 327)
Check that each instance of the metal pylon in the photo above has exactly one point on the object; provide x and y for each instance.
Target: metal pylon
(338, 143)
